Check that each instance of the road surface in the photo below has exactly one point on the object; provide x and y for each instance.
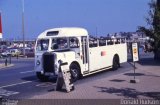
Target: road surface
(20, 81)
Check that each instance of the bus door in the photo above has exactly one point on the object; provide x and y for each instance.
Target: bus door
(85, 58)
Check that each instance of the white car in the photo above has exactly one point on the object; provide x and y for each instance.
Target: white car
(5, 54)
(14, 52)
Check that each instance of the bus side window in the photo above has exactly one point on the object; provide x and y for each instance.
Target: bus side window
(109, 42)
(73, 42)
(123, 40)
(93, 43)
(117, 41)
(90, 43)
(102, 42)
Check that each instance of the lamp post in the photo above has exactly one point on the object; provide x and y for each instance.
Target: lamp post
(0, 26)
(23, 33)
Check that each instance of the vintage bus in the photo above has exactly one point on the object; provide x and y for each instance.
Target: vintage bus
(83, 54)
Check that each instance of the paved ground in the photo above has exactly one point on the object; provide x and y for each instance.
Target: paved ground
(20, 81)
(117, 86)
(4, 66)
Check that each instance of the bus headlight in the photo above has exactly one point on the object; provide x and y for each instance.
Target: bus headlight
(38, 62)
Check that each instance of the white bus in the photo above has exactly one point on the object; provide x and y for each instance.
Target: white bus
(83, 54)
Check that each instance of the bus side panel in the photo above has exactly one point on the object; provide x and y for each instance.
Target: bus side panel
(101, 57)
(122, 52)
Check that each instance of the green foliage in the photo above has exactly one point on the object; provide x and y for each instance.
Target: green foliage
(154, 22)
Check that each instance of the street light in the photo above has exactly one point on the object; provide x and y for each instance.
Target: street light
(0, 26)
(23, 28)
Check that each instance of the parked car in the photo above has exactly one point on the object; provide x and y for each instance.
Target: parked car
(14, 52)
(5, 54)
(28, 52)
(3, 48)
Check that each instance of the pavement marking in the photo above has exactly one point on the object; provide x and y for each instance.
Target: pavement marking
(46, 84)
(24, 72)
(7, 93)
(16, 84)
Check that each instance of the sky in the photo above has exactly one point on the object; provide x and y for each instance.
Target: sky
(107, 16)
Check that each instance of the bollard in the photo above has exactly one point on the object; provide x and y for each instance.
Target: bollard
(6, 62)
(10, 59)
(17, 56)
(1, 100)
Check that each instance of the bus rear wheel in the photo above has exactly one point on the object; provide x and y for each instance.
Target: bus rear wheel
(116, 63)
(75, 72)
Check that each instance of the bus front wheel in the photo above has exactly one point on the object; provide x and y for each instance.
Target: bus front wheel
(42, 77)
(75, 72)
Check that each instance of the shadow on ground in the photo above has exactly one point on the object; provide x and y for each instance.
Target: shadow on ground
(134, 74)
(34, 78)
(140, 74)
(149, 61)
(29, 78)
(117, 80)
(128, 92)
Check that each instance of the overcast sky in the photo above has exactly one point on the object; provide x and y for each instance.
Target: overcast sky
(109, 16)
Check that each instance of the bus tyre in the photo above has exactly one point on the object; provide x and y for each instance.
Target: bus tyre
(116, 63)
(42, 77)
(75, 72)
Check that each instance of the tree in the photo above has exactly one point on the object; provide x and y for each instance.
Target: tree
(153, 20)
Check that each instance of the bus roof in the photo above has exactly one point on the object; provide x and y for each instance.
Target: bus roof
(64, 32)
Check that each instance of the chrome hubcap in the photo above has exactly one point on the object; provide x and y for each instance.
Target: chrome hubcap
(74, 73)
